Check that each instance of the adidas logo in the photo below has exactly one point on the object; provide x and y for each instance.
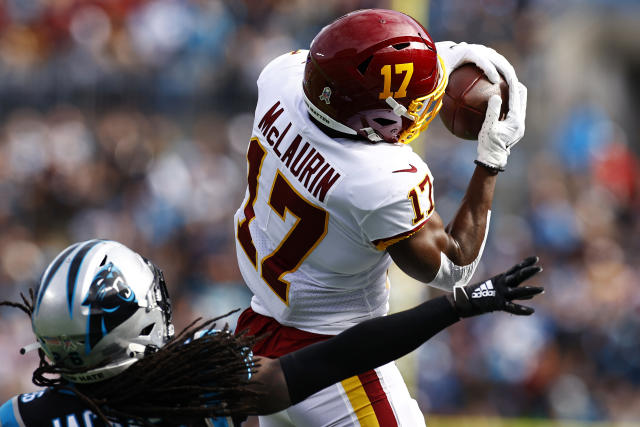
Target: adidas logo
(484, 290)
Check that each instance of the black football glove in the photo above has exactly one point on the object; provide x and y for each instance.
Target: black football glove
(498, 293)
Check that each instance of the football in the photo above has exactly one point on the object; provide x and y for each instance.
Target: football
(465, 100)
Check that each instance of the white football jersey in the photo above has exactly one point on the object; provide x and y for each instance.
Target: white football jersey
(319, 212)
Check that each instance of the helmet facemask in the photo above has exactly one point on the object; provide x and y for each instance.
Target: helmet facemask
(407, 122)
(424, 109)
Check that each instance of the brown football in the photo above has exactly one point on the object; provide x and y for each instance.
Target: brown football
(465, 100)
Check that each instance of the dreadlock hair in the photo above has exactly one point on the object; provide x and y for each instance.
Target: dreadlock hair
(26, 305)
(186, 380)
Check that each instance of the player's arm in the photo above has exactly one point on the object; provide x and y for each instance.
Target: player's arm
(294, 377)
(10, 415)
(421, 254)
(448, 256)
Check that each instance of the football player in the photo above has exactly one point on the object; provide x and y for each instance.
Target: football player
(108, 354)
(335, 193)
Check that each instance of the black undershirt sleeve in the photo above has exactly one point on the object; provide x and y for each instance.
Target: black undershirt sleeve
(363, 347)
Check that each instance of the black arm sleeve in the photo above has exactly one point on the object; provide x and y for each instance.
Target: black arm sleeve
(365, 346)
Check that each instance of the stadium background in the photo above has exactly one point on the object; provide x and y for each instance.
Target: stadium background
(128, 120)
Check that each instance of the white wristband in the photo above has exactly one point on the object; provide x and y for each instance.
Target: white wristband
(450, 274)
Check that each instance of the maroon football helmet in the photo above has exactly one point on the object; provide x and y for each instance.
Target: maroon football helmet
(374, 73)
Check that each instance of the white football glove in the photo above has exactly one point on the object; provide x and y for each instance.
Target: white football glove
(496, 137)
(488, 60)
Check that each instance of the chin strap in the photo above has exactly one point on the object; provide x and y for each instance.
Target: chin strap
(372, 135)
(399, 109)
(323, 118)
(30, 347)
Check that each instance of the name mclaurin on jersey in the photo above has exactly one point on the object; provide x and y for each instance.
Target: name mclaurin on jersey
(312, 170)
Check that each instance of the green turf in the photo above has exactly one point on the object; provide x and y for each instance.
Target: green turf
(450, 421)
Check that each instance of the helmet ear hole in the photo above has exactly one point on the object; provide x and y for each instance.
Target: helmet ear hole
(362, 68)
(147, 329)
(400, 46)
(384, 122)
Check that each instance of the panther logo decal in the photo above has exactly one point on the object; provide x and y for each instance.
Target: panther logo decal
(111, 301)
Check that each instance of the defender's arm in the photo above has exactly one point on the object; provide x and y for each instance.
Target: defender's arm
(294, 377)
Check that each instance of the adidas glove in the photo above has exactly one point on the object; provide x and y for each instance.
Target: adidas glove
(498, 293)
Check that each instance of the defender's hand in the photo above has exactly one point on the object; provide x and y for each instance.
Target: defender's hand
(498, 292)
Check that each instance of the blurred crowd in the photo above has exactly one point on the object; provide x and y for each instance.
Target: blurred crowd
(128, 120)
(571, 195)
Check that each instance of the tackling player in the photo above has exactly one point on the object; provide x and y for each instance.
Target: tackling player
(108, 354)
(334, 194)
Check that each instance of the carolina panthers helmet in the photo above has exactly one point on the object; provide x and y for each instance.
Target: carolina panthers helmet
(374, 73)
(99, 308)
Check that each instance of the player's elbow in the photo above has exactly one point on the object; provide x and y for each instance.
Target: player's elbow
(419, 263)
(419, 254)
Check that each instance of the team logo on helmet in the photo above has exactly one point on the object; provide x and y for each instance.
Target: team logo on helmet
(326, 95)
(111, 301)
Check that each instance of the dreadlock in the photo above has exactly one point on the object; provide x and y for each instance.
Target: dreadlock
(26, 305)
(186, 380)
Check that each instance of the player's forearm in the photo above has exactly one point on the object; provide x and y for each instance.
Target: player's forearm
(445, 257)
(363, 347)
(468, 227)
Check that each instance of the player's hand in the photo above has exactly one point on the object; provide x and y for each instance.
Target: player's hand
(488, 60)
(499, 292)
(498, 136)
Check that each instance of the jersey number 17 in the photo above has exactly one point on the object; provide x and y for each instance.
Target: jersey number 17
(305, 234)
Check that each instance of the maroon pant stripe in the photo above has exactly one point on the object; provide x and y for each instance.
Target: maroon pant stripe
(378, 398)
